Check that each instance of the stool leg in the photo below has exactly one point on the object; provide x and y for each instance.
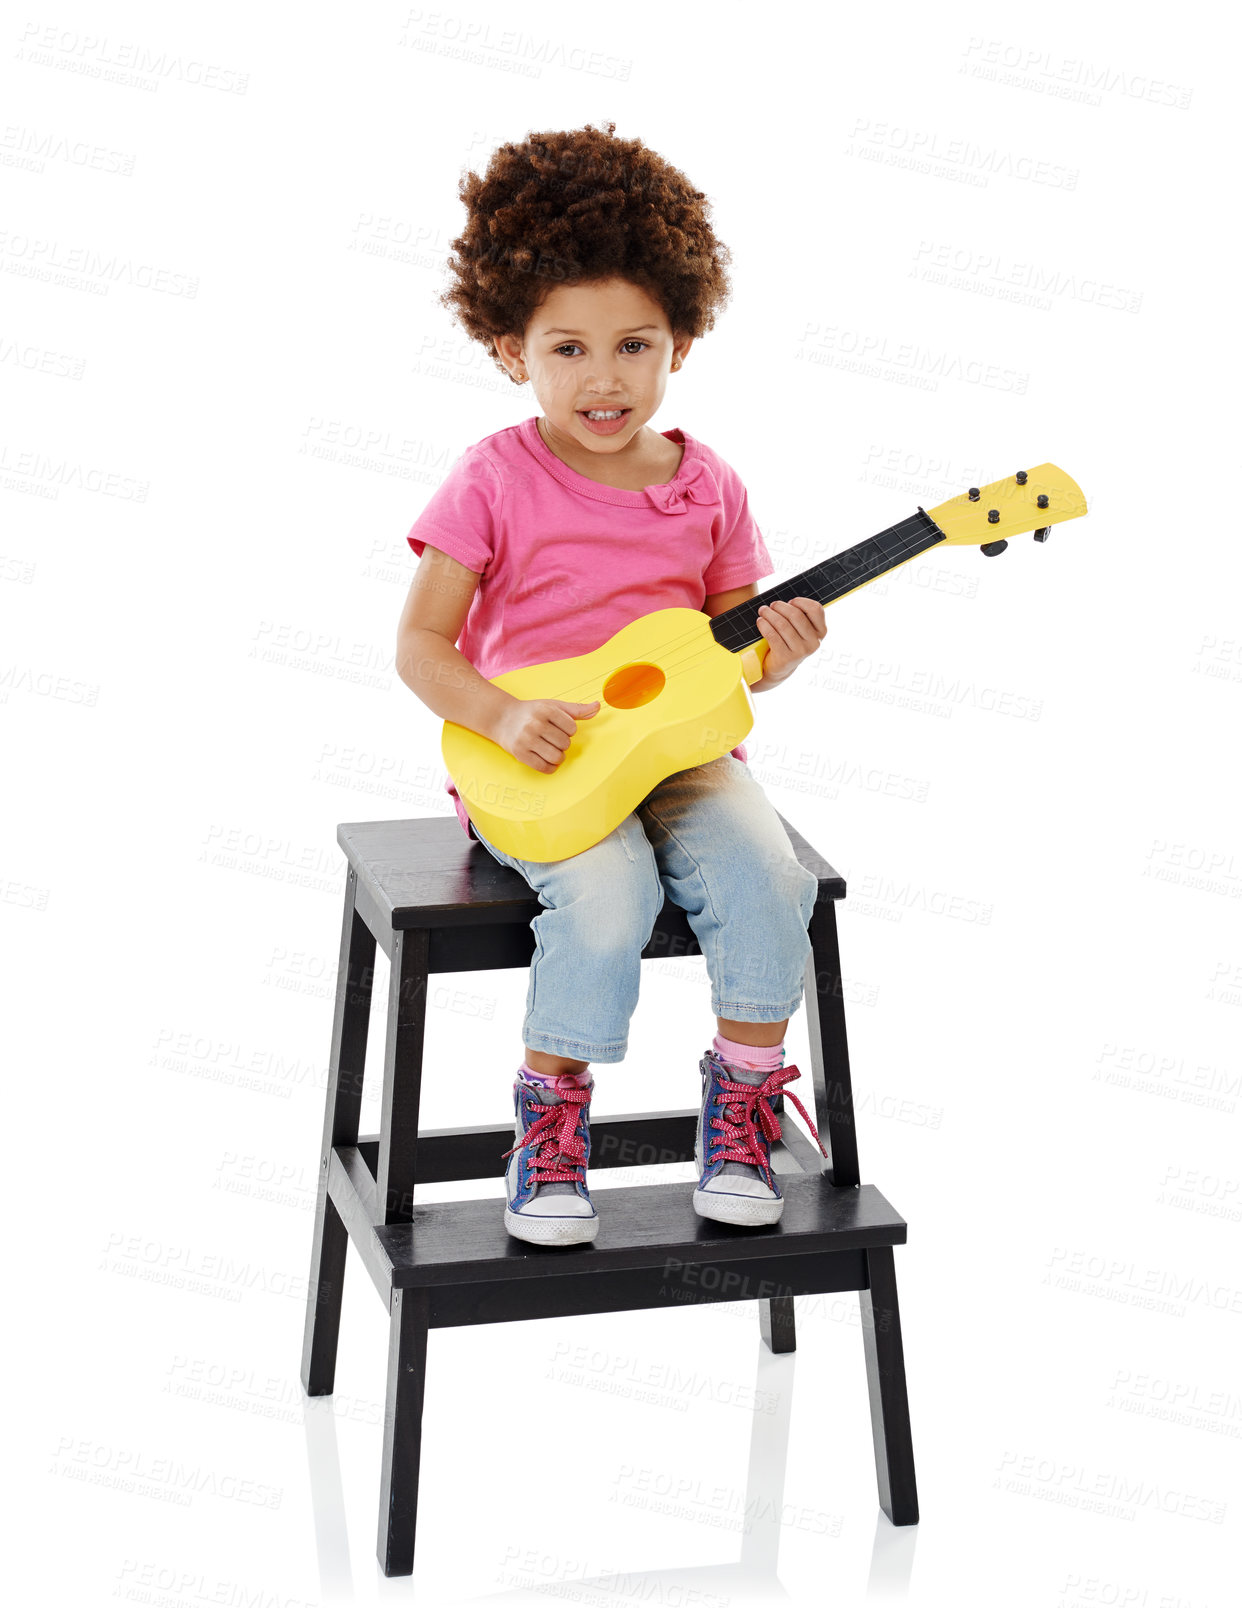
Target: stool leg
(824, 997)
(403, 1430)
(342, 1116)
(776, 1323)
(403, 1077)
(886, 1385)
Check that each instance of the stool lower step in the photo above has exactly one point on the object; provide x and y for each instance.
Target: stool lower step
(644, 1226)
(652, 1250)
(675, 1283)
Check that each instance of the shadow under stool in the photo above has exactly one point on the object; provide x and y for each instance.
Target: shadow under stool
(436, 901)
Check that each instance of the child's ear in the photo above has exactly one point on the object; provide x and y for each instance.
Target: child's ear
(509, 350)
(681, 345)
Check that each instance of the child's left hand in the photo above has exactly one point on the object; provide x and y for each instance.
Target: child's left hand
(793, 630)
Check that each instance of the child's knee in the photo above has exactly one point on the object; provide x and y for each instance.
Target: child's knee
(797, 886)
(617, 921)
(609, 917)
(622, 889)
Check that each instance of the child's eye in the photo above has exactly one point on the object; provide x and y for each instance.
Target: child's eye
(566, 346)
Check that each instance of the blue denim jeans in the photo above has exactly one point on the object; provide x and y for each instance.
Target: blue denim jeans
(710, 839)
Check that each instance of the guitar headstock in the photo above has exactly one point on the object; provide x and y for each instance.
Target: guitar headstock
(1033, 499)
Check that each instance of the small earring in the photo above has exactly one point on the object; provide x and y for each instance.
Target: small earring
(521, 379)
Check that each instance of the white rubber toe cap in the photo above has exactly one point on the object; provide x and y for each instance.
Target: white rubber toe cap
(557, 1206)
(551, 1230)
(745, 1210)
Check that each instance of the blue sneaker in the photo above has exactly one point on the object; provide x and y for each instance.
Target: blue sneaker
(545, 1182)
(733, 1145)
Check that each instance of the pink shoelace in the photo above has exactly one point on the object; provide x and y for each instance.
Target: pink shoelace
(739, 1103)
(555, 1133)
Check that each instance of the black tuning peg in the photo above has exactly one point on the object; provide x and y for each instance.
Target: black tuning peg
(1020, 477)
(992, 548)
(1042, 535)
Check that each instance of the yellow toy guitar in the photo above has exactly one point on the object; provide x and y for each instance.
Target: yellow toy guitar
(674, 685)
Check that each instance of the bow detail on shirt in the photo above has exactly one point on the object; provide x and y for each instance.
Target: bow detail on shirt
(691, 483)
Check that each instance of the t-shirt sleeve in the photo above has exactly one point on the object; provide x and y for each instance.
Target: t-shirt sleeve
(462, 516)
(740, 555)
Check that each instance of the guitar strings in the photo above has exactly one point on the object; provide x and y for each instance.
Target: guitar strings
(699, 650)
(745, 637)
(691, 638)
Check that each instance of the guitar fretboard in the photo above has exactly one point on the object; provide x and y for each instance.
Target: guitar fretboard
(738, 628)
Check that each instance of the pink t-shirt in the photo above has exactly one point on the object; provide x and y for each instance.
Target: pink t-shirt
(567, 562)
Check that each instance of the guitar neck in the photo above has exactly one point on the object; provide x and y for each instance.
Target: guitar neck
(738, 628)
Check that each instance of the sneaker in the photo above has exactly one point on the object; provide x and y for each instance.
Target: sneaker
(545, 1181)
(733, 1145)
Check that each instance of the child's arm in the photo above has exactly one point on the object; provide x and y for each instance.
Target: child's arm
(428, 660)
(536, 731)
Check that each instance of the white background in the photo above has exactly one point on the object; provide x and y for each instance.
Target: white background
(964, 242)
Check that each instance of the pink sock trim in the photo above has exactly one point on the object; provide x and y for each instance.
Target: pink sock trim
(750, 1055)
(548, 1080)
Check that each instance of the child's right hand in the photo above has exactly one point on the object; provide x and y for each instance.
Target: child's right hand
(537, 731)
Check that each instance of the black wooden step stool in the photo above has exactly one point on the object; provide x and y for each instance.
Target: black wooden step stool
(438, 902)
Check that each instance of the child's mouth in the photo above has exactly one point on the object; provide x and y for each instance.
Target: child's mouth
(612, 420)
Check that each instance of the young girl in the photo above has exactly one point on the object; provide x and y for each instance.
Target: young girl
(587, 268)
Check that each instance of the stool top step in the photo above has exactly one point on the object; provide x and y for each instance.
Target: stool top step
(425, 871)
(641, 1226)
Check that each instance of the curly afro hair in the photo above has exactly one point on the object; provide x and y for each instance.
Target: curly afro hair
(581, 206)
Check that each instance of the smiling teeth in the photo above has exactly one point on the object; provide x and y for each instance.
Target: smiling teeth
(613, 413)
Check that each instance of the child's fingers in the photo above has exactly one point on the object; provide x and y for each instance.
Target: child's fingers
(798, 626)
(814, 612)
(778, 626)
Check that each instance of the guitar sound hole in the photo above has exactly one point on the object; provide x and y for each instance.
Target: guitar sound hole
(633, 685)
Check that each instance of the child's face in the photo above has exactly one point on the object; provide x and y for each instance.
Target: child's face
(605, 346)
